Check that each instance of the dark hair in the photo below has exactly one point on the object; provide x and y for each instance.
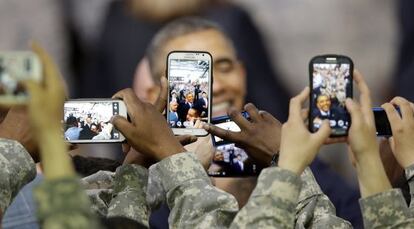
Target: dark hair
(121, 222)
(71, 121)
(86, 166)
(174, 29)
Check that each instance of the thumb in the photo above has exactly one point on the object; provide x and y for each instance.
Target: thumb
(122, 124)
(323, 133)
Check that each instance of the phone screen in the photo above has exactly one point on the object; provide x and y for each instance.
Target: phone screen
(189, 92)
(14, 68)
(90, 120)
(331, 85)
(230, 160)
(382, 123)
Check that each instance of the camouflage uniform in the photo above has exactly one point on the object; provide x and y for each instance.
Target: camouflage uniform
(409, 174)
(17, 169)
(62, 203)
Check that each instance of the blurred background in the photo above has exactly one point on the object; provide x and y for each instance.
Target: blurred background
(98, 43)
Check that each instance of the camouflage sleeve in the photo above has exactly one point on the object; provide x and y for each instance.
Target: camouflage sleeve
(193, 200)
(273, 201)
(386, 210)
(409, 174)
(62, 203)
(129, 192)
(314, 209)
(17, 168)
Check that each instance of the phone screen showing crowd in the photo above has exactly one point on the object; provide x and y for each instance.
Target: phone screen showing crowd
(90, 121)
(189, 92)
(331, 85)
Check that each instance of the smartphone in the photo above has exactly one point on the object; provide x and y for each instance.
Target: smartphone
(331, 83)
(230, 160)
(88, 120)
(15, 67)
(189, 85)
(382, 124)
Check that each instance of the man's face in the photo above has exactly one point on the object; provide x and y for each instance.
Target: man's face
(173, 106)
(229, 87)
(88, 120)
(190, 98)
(323, 103)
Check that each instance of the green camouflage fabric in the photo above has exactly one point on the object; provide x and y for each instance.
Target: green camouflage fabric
(314, 209)
(272, 203)
(99, 188)
(17, 169)
(62, 203)
(129, 191)
(409, 174)
(386, 210)
(193, 200)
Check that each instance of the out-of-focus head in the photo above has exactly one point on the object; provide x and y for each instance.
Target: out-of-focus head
(196, 34)
(192, 115)
(89, 120)
(71, 121)
(162, 10)
(323, 102)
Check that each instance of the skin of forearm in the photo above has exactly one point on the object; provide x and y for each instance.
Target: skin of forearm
(56, 162)
(371, 176)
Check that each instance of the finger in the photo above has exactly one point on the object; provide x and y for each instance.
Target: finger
(253, 112)
(52, 77)
(304, 113)
(392, 143)
(267, 116)
(323, 133)
(393, 117)
(125, 147)
(355, 111)
(131, 101)
(296, 104)
(161, 102)
(222, 133)
(238, 118)
(365, 95)
(34, 89)
(405, 108)
(125, 127)
(186, 139)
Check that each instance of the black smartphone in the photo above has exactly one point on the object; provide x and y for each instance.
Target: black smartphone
(189, 84)
(330, 83)
(230, 160)
(382, 124)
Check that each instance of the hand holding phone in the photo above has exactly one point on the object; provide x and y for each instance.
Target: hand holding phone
(260, 137)
(402, 125)
(16, 67)
(148, 133)
(189, 86)
(330, 83)
(228, 159)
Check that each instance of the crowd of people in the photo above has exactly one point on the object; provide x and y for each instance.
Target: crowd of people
(188, 93)
(161, 169)
(331, 85)
(88, 121)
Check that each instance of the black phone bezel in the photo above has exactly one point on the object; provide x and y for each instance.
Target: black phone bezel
(322, 59)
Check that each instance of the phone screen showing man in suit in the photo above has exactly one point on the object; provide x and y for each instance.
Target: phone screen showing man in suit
(331, 85)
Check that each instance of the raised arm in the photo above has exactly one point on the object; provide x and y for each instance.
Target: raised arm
(61, 200)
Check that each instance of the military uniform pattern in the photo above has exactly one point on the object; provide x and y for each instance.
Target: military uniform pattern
(17, 169)
(62, 203)
(273, 201)
(314, 209)
(193, 200)
(129, 191)
(386, 210)
(99, 188)
(409, 174)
